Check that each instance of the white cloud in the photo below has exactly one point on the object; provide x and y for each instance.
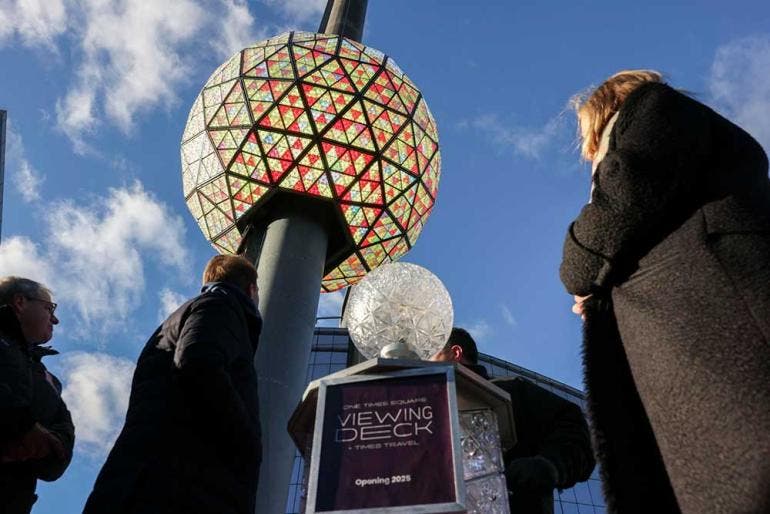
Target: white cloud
(134, 54)
(169, 302)
(507, 315)
(527, 142)
(24, 176)
(37, 22)
(479, 329)
(96, 390)
(75, 115)
(28, 181)
(299, 11)
(132, 60)
(131, 56)
(21, 257)
(739, 84)
(237, 28)
(97, 253)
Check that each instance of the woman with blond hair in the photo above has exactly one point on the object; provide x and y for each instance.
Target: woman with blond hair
(669, 263)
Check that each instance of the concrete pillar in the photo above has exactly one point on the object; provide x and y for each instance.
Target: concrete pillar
(290, 253)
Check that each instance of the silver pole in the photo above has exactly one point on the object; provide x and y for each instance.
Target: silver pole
(3, 117)
(290, 267)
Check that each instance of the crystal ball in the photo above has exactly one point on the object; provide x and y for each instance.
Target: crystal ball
(399, 302)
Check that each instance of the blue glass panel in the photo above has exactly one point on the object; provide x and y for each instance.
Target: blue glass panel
(582, 493)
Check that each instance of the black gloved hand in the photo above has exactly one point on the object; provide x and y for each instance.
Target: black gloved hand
(531, 474)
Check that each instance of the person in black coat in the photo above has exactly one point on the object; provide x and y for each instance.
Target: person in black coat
(552, 448)
(670, 267)
(191, 440)
(36, 430)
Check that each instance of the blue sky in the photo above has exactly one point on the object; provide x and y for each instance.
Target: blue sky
(98, 94)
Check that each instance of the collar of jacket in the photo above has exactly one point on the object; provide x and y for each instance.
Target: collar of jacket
(249, 308)
(10, 326)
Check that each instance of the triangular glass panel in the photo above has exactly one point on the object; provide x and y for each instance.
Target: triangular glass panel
(374, 255)
(262, 94)
(194, 205)
(409, 96)
(331, 74)
(213, 97)
(195, 122)
(227, 71)
(352, 267)
(360, 73)
(399, 249)
(341, 181)
(321, 187)
(217, 192)
(326, 45)
(424, 118)
(308, 60)
(381, 90)
(229, 241)
(432, 174)
(227, 142)
(279, 68)
(252, 57)
(401, 209)
(273, 119)
(386, 228)
(293, 181)
(312, 159)
(277, 168)
(390, 244)
(217, 222)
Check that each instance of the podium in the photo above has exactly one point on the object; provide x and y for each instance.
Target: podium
(404, 436)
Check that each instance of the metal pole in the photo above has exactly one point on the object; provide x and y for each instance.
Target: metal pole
(3, 117)
(344, 18)
(290, 266)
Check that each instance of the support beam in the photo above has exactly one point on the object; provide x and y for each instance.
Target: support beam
(3, 117)
(291, 256)
(344, 18)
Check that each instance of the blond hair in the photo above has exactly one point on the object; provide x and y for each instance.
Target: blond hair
(234, 269)
(595, 109)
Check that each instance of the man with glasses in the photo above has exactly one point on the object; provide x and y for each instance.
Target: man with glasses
(36, 431)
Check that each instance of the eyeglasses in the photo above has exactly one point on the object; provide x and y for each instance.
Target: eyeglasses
(50, 306)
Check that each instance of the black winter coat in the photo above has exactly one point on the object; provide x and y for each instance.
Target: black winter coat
(29, 394)
(675, 248)
(191, 439)
(547, 426)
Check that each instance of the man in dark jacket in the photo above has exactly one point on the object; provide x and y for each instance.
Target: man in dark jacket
(36, 431)
(191, 439)
(553, 448)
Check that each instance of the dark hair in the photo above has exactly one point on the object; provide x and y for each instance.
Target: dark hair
(233, 269)
(463, 339)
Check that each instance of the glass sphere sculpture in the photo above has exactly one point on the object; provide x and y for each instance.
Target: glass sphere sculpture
(316, 115)
(399, 302)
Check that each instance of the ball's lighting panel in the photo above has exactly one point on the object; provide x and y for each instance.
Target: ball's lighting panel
(317, 115)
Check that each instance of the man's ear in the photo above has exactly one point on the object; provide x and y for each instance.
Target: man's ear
(457, 352)
(17, 303)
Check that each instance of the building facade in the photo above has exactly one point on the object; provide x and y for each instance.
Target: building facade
(333, 351)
